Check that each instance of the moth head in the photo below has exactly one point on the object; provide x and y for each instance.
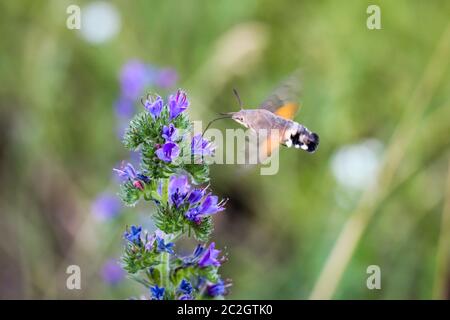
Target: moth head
(239, 117)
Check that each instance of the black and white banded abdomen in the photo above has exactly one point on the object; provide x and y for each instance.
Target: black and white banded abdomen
(300, 137)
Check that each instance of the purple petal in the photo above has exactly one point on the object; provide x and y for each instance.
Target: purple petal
(217, 289)
(154, 106)
(177, 104)
(195, 196)
(209, 205)
(178, 189)
(209, 258)
(168, 152)
(169, 133)
(127, 171)
(178, 184)
(201, 146)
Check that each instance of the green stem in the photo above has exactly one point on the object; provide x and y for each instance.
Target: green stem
(165, 270)
(165, 258)
(165, 262)
(165, 190)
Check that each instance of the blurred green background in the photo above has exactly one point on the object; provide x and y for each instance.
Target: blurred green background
(375, 193)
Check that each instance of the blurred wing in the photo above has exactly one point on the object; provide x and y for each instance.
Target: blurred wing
(283, 101)
(288, 110)
(267, 146)
(258, 148)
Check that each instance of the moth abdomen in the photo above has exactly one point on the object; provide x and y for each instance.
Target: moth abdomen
(305, 139)
(313, 142)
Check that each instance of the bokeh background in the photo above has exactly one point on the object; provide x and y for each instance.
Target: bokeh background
(375, 193)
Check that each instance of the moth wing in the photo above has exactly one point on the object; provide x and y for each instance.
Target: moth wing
(288, 110)
(259, 147)
(267, 146)
(283, 101)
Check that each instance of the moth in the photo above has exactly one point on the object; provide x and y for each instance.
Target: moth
(275, 117)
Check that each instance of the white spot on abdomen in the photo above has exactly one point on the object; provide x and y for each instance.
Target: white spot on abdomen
(289, 143)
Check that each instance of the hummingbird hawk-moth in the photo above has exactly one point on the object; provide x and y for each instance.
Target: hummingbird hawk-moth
(275, 115)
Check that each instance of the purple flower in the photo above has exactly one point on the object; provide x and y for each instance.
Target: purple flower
(166, 78)
(106, 206)
(195, 196)
(134, 77)
(217, 289)
(143, 178)
(177, 104)
(157, 293)
(199, 249)
(149, 243)
(185, 287)
(210, 205)
(161, 246)
(154, 105)
(200, 146)
(133, 235)
(150, 240)
(178, 184)
(209, 257)
(195, 256)
(169, 133)
(168, 152)
(126, 172)
(178, 189)
(129, 173)
(186, 297)
(112, 273)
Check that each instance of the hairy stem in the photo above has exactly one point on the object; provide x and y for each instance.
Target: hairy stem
(165, 262)
(165, 270)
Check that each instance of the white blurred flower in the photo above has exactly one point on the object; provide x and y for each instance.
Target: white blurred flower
(356, 166)
(100, 22)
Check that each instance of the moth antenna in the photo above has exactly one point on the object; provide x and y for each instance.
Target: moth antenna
(238, 97)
